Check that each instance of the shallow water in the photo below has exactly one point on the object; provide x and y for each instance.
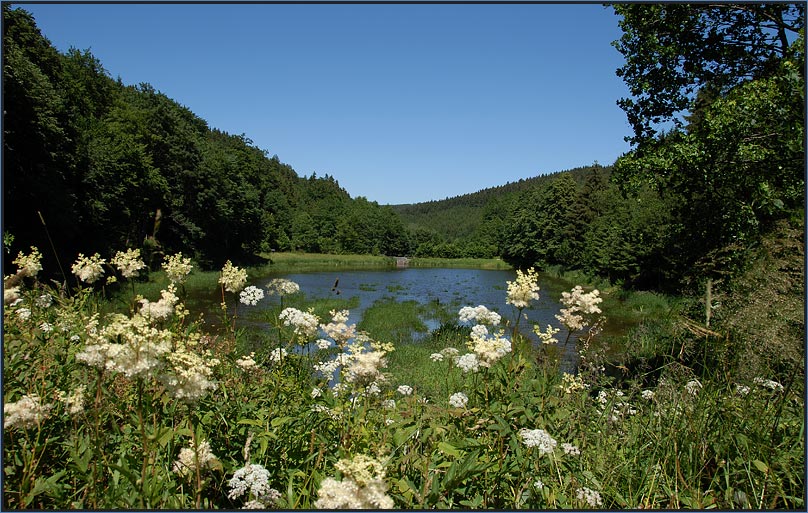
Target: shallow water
(452, 288)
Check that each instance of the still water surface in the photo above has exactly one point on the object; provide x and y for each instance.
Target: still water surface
(452, 288)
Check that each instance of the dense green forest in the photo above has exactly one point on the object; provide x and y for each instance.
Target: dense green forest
(109, 165)
(717, 161)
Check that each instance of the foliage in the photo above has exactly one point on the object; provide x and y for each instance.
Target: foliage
(92, 163)
(281, 430)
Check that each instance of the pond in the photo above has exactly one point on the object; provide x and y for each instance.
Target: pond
(450, 288)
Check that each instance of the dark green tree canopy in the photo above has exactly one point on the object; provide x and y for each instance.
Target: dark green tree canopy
(674, 50)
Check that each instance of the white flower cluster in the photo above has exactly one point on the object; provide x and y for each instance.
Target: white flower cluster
(190, 375)
(538, 438)
(648, 395)
(488, 348)
(304, 323)
(162, 308)
(282, 287)
(480, 314)
(177, 268)
(458, 400)
(27, 412)
(186, 463)
(570, 383)
(253, 481)
(362, 486)
(570, 449)
(278, 354)
(29, 265)
(251, 295)
(404, 389)
(233, 278)
(365, 366)
(89, 269)
(448, 352)
(590, 497)
(247, 362)
(128, 262)
(337, 330)
(524, 289)
(327, 368)
(74, 402)
(548, 336)
(693, 386)
(468, 363)
(139, 352)
(578, 303)
(768, 383)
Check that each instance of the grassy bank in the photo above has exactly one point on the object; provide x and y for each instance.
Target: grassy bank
(287, 262)
(151, 410)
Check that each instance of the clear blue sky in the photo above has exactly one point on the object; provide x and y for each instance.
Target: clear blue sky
(400, 103)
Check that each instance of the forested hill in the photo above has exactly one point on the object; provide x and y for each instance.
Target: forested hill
(459, 216)
(98, 166)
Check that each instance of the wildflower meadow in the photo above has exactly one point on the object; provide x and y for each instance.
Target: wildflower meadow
(138, 403)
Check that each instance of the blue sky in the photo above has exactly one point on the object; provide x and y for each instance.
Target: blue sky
(400, 103)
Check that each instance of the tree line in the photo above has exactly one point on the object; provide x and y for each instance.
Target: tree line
(717, 161)
(93, 164)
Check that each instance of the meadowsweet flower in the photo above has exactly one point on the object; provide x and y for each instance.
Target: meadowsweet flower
(337, 330)
(177, 268)
(590, 497)
(89, 269)
(538, 438)
(538, 485)
(524, 289)
(480, 314)
(389, 404)
(323, 343)
(362, 486)
(404, 389)
(570, 383)
(74, 402)
(282, 287)
(253, 481)
(29, 264)
(187, 460)
(251, 295)
(570, 449)
(468, 362)
(488, 349)
(247, 362)
(648, 395)
(27, 412)
(189, 377)
(365, 366)
(578, 304)
(436, 357)
(163, 308)
(304, 323)
(23, 313)
(316, 392)
(11, 296)
(546, 337)
(233, 278)
(46, 327)
(128, 263)
(458, 400)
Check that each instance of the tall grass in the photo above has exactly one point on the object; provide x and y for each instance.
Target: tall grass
(85, 430)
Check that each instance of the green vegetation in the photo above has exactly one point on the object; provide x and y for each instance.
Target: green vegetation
(118, 395)
(179, 417)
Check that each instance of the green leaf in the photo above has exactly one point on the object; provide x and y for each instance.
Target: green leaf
(761, 466)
